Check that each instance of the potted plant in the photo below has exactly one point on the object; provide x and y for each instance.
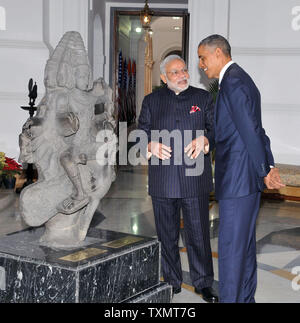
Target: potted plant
(214, 89)
(10, 169)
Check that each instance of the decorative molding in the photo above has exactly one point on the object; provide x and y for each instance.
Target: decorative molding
(24, 44)
(264, 51)
(13, 96)
(16, 96)
(152, 5)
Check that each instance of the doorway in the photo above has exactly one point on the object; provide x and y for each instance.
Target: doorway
(133, 55)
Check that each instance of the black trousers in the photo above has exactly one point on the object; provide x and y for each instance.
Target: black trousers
(196, 229)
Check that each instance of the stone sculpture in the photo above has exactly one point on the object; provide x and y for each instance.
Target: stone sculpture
(63, 140)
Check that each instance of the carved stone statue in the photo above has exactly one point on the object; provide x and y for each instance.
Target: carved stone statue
(73, 149)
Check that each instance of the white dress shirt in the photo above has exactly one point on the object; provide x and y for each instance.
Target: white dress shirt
(223, 70)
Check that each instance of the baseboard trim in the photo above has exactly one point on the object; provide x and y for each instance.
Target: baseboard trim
(291, 193)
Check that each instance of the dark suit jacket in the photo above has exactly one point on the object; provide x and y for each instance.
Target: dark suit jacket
(164, 110)
(243, 153)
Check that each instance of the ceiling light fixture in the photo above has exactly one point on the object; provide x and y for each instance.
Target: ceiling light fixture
(146, 16)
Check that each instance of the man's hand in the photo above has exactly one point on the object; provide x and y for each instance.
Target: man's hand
(159, 150)
(273, 180)
(194, 148)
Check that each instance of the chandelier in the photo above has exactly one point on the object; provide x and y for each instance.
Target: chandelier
(146, 16)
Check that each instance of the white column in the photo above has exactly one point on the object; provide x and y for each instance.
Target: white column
(222, 17)
(98, 48)
(61, 16)
(2, 18)
(207, 17)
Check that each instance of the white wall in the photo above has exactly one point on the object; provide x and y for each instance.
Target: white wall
(163, 42)
(266, 43)
(33, 29)
(22, 56)
(264, 35)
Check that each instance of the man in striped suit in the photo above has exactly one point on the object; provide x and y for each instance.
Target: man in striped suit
(178, 109)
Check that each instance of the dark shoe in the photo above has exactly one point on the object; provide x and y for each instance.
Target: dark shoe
(208, 294)
(176, 290)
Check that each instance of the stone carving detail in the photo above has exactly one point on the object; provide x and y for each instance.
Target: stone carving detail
(63, 140)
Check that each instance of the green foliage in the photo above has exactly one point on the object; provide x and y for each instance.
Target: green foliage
(156, 87)
(2, 161)
(213, 89)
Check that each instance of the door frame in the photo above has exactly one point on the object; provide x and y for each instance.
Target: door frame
(158, 13)
(110, 8)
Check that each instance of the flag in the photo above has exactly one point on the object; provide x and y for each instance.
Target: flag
(130, 95)
(120, 88)
(126, 90)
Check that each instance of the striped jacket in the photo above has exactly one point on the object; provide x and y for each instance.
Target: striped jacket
(178, 115)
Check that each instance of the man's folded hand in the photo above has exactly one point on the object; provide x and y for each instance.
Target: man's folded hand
(273, 180)
(159, 150)
(194, 148)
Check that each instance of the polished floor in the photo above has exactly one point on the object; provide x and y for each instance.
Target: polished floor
(127, 208)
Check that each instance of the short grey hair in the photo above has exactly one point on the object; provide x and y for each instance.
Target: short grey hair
(167, 60)
(217, 41)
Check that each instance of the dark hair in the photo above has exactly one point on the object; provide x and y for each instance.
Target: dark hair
(217, 41)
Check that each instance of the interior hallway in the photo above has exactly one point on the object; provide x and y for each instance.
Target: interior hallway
(128, 208)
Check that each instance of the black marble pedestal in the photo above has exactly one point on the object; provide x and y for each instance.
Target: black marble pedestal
(109, 267)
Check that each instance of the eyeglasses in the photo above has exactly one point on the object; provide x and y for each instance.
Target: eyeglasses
(176, 73)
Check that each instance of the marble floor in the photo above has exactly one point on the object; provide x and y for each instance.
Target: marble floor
(127, 208)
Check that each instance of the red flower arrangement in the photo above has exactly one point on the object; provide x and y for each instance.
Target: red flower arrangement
(11, 167)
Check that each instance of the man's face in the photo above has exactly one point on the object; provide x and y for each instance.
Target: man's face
(177, 76)
(209, 61)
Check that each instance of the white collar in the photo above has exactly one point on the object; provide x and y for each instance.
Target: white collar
(223, 70)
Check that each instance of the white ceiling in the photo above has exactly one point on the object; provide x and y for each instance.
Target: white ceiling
(166, 24)
(158, 24)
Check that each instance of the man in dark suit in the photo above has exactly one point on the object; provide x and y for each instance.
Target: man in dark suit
(243, 163)
(181, 108)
